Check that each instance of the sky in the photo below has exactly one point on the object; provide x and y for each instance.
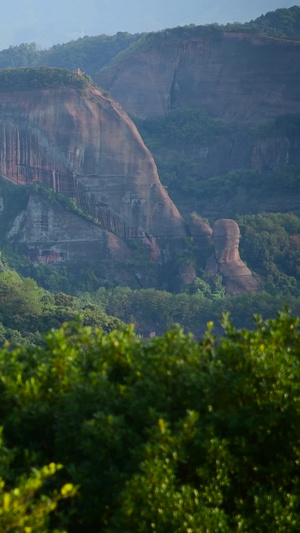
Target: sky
(48, 22)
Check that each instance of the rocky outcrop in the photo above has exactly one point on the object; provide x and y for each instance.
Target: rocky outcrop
(47, 234)
(226, 260)
(82, 144)
(238, 77)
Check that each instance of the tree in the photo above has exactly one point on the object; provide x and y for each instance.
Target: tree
(172, 434)
(24, 507)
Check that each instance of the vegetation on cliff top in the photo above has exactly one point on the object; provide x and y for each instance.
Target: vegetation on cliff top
(88, 53)
(282, 23)
(93, 53)
(28, 78)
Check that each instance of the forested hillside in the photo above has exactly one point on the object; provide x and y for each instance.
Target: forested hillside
(88, 53)
(92, 53)
(107, 433)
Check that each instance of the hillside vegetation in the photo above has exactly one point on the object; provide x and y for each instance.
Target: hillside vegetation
(91, 53)
(170, 435)
(28, 78)
(88, 53)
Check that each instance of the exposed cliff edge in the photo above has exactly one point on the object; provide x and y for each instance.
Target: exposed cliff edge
(238, 77)
(81, 145)
(211, 102)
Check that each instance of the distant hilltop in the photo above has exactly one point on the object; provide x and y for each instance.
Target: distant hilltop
(14, 79)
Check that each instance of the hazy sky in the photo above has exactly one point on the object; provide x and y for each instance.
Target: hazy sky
(48, 22)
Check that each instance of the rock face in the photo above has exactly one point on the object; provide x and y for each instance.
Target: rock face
(84, 146)
(50, 234)
(226, 260)
(81, 144)
(237, 77)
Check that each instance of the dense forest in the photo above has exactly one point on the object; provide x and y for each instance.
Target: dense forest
(88, 53)
(169, 435)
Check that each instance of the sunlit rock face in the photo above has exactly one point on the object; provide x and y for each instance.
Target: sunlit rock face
(226, 260)
(84, 146)
(238, 77)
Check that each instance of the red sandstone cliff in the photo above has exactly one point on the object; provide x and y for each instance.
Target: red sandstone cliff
(237, 77)
(83, 145)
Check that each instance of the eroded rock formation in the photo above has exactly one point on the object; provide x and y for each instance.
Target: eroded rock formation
(235, 76)
(226, 260)
(53, 235)
(84, 146)
(81, 144)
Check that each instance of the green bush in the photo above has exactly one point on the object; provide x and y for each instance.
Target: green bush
(29, 78)
(170, 435)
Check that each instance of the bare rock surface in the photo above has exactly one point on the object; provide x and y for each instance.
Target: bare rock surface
(53, 235)
(84, 146)
(226, 260)
(242, 77)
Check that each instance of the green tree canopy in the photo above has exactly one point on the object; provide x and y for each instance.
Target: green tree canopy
(167, 435)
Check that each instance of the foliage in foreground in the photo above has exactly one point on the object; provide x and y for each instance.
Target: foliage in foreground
(169, 435)
(22, 508)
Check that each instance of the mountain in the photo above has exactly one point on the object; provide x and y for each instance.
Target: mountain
(58, 130)
(219, 109)
(212, 100)
(237, 77)
(61, 138)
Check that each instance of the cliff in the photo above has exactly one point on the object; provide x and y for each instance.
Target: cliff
(211, 102)
(73, 142)
(238, 77)
(84, 146)
(78, 143)
(48, 233)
